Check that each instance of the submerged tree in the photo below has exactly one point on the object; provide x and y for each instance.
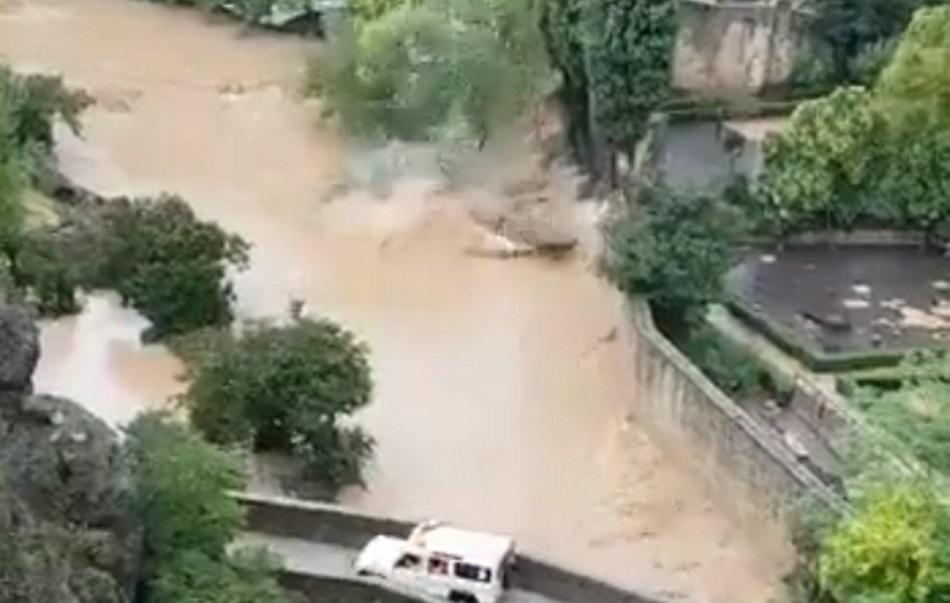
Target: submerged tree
(166, 263)
(287, 388)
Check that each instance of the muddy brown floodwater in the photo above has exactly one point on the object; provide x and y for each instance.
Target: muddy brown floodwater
(500, 403)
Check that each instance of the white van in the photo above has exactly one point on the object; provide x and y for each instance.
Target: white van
(442, 561)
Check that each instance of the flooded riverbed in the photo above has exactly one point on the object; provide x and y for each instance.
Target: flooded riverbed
(500, 399)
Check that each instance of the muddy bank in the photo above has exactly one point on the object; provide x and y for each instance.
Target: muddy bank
(501, 399)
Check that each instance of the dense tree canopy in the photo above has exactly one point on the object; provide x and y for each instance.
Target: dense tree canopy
(674, 250)
(29, 107)
(851, 27)
(888, 550)
(615, 59)
(166, 263)
(287, 388)
(183, 485)
(425, 71)
(818, 169)
(915, 87)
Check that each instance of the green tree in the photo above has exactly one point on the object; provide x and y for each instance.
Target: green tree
(167, 264)
(674, 250)
(820, 170)
(193, 577)
(182, 485)
(615, 60)
(916, 177)
(887, 551)
(565, 43)
(419, 70)
(630, 46)
(287, 388)
(914, 89)
(44, 268)
(850, 27)
(370, 10)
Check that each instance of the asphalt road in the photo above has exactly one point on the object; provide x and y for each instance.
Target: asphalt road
(322, 559)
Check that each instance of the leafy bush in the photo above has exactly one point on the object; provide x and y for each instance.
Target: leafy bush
(820, 171)
(887, 551)
(852, 27)
(165, 263)
(615, 62)
(674, 249)
(420, 69)
(370, 10)
(33, 103)
(43, 267)
(917, 410)
(811, 74)
(182, 484)
(736, 371)
(287, 388)
(193, 577)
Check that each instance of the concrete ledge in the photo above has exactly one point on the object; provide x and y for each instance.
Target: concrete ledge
(320, 589)
(352, 529)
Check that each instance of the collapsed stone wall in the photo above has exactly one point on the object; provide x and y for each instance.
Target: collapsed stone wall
(738, 47)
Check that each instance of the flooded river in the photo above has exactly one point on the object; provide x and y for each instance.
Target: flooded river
(500, 400)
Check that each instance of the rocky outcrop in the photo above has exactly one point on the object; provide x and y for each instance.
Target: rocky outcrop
(19, 350)
(68, 531)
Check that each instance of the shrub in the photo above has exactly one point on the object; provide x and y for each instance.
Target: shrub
(166, 263)
(287, 388)
(422, 69)
(193, 577)
(674, 250)
(732, 368)
(887, 550)
(182, 485)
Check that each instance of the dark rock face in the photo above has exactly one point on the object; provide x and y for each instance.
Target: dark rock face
(68, 530)
(19, 350)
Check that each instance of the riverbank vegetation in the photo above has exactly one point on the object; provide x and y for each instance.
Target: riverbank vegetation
(614, 59)
(182, 487)
(432, 70)
(286, 388)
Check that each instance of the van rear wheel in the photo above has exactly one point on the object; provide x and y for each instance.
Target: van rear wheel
(462, 597)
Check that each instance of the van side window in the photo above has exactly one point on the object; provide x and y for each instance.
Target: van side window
(437, 565)
(472, 572)
(409, 561)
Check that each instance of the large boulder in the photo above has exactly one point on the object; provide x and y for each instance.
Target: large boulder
(19, 350)
(67, 522)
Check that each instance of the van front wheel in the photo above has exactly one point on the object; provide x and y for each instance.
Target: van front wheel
(462, 597)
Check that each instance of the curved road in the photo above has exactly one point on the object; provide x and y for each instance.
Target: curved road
(329, 560)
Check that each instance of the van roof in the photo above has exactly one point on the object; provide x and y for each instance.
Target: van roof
(488, 550)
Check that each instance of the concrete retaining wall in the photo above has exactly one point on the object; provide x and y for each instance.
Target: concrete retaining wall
(748, 469)
(337, 525)
(731, 47)
(320, 589)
